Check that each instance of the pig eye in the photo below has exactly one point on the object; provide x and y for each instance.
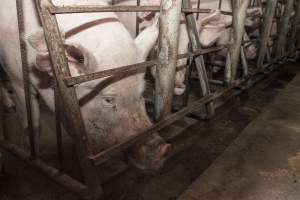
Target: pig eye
(109, 101)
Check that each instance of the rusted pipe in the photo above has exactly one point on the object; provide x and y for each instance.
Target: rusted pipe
(169, 23)
(266, 27)
(239, 8)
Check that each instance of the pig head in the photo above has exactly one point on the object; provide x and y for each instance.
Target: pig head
(113, 108)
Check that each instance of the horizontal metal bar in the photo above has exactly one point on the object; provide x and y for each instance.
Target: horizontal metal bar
(70, 81)
(54, 174)
(84, 9)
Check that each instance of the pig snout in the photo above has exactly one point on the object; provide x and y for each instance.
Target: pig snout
(152, 154)
(179, 89)
(251, 52)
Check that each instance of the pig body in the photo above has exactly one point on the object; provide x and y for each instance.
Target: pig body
(111, 114)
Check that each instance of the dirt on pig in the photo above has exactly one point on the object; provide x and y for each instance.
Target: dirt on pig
(200, 144)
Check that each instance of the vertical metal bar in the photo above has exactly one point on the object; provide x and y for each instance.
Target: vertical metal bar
(284, 25)
(198, 6)
(170, 13)
(292, 39)
(73, 118)
(220, 5)
(187, 81)
(244, 63)
(58, 128)
(199, 62)
(266, 27)
(239, 8)
(26, 80)
(137, 24)
(2, 134)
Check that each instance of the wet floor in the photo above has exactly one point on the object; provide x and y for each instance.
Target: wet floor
(200, 144)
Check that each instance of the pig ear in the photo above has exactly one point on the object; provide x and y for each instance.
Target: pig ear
(37, 41)
(254, 12)
(146, 40)
(148, 15)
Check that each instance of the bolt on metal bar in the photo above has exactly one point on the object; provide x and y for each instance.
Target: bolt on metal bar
(199, 61)
(284, 26)
(84, 9)
(73, 119)
(167, 57)
(26, 80)
(266, 28)
(139, 67)
(239, 8)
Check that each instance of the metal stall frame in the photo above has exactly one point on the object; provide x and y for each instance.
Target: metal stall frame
(65, 92)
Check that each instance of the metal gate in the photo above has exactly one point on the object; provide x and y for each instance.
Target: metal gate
(66, 100)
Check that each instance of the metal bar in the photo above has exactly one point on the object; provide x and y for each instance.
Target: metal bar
(292, 39)
(239, 8)
(198, 7)
(73, 118)
(139, 67)
(137, 24)
(167, 57)
(58, 128)
(64, 180)
(199, 62)
(284, 26)
(244, 63)
(84, 9)
(2, 134)
(266, 28)
(26, 80)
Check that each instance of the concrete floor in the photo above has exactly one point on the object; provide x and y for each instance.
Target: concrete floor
(263, 163)
(201, 144)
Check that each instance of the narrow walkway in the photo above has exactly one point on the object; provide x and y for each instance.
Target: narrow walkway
(263, 163)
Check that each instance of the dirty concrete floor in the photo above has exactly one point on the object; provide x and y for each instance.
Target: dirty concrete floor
(202, 142)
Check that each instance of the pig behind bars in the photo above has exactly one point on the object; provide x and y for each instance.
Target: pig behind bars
(113, 109)
(212, 29)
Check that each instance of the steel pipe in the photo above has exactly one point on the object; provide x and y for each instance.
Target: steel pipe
(266, 27)
(239, 8)
(167, 56)
(284, 26)
(84, 9)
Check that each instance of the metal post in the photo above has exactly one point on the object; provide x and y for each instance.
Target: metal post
(69, 103)
(283, 30)
(170, 14)
(199, 62)
(26, 81)
(239, 8)
(266, 28)
(292, 39)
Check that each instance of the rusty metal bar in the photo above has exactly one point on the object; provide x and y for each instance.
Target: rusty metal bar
(137, 23)
(239, 8)
(199, 61)
(58, 128)
(292, 39)
(266, 28)
(73, 118)
(84, 9)
(26, 80)
(284, 26)
(64, 180)
(167, 57)
(139, 67)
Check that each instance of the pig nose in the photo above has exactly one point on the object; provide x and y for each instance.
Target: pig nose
(179, 89)
(251, 52)
(161, 154)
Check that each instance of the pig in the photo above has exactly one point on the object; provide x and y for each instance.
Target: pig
(212, 29)
(111, 114)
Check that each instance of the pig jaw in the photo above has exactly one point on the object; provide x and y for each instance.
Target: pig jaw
(152, 154)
